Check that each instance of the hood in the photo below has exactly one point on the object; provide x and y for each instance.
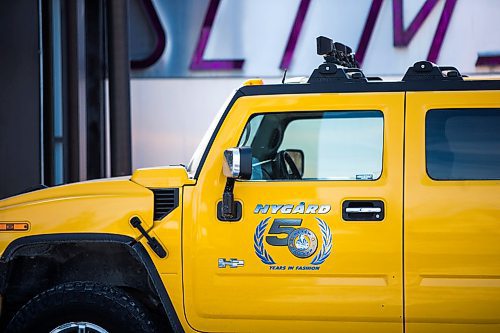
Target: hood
(104, 206)
(162, 177)
(79, 189)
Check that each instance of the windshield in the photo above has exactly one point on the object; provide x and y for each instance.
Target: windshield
(194, 164)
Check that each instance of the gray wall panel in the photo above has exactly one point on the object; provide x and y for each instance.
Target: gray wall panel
(19, 96)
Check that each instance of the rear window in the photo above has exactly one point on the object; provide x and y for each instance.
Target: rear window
(463, 144)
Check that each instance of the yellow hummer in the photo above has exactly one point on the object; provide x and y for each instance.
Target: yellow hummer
(342, 204)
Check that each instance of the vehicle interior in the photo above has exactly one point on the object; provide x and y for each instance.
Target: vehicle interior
(265, 136)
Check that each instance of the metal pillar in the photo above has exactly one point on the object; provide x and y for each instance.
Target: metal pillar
(119, 87)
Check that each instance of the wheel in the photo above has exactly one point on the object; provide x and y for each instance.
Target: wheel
(82, 307)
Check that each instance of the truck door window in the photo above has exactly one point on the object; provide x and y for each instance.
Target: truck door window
(463, 144)
(336, 145)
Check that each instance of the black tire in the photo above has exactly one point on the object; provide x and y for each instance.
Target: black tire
(90, 302)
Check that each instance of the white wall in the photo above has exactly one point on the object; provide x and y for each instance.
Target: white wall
(170, 116)
(257, 31)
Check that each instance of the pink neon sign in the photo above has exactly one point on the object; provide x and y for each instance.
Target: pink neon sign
(402, 37)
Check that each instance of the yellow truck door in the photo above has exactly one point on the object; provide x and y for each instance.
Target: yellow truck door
(452, 211)
(322, 253)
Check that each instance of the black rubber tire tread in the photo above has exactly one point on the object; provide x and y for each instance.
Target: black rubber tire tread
(108, 307)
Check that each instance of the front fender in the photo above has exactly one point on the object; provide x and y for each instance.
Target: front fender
(137, 248)
(88, 207)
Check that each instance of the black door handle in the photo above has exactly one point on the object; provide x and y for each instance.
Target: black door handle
(363, 210)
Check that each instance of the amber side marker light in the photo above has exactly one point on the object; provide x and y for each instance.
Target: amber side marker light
(14, 226)
(253, 82)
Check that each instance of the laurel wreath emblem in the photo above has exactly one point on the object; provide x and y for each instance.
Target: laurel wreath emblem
(258, 243)
(326, 249)
(265, 257)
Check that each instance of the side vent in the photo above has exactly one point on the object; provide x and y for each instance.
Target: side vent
(166, 200)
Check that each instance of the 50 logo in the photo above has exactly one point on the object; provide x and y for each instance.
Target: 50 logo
(302, 242)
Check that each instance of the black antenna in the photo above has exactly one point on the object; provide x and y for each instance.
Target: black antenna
(284, 76)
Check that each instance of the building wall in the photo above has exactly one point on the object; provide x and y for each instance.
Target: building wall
(210, 47)
(208, 37)
(173, 103)
(170, 116)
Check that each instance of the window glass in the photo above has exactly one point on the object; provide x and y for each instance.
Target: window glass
(339, 145)
(463, 144)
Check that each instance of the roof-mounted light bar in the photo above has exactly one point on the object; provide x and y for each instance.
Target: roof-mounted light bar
(335, 52)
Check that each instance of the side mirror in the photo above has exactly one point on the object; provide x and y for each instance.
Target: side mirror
(297, 158)
(238, 163)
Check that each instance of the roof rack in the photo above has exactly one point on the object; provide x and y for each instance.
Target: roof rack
(426, 70)
(341, 65)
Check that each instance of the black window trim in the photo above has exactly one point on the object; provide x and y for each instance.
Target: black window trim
(425, 146)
